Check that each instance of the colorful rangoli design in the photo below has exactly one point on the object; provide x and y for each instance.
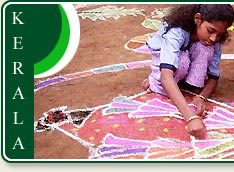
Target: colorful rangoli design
(149, 126)
(144, 126)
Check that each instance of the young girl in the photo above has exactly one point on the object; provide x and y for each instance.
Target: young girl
(188, 47)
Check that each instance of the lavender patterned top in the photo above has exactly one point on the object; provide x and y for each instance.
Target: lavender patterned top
(170, 45)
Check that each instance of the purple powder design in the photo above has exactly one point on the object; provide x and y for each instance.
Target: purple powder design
(131, 151)
(108, 149)
(49, 82)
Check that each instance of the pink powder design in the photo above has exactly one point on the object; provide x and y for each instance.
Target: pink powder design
(207, 144)
(124, 105)
(162, 104)
(171, 143)
(112, 140)
(133, 65)
(142, 49)
(225, 113)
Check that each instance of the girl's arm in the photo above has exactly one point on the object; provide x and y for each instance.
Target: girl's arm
(195, 126)
(210, 86)
(208, 89)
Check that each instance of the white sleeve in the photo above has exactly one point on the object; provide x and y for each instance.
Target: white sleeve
(213, 68)
(172, 42)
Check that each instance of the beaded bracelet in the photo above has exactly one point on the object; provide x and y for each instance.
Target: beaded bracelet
(202, 97)
(192, 118)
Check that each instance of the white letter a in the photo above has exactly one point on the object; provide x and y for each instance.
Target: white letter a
(18, 143)
(18, 93)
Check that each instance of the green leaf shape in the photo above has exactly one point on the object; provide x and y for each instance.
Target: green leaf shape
(151, 24)
(107, 12)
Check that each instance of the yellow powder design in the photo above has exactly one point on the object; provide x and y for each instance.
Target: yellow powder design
(139, 121)
(91, 138)
(110, 117)
(75, 130)
(142, 129)
(223, 130)
(165, 130)
(94, 120)
(166, 119)
(97, 130)
(115, 125)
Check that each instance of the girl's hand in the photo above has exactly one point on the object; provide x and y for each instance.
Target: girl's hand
(200, 106)
(197, 128)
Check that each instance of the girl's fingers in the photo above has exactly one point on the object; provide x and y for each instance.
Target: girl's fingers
(197, 129)
(200, 134)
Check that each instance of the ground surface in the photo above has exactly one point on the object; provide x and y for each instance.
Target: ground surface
(102, 43)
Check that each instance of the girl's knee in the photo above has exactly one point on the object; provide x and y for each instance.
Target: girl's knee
(201, 52)
(199, 47)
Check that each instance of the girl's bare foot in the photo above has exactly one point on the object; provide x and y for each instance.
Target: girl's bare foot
(146, 86)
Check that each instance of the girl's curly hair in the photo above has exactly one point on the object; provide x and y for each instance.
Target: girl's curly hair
(183, 16)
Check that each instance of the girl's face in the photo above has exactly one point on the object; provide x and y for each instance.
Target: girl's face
(209, 33)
